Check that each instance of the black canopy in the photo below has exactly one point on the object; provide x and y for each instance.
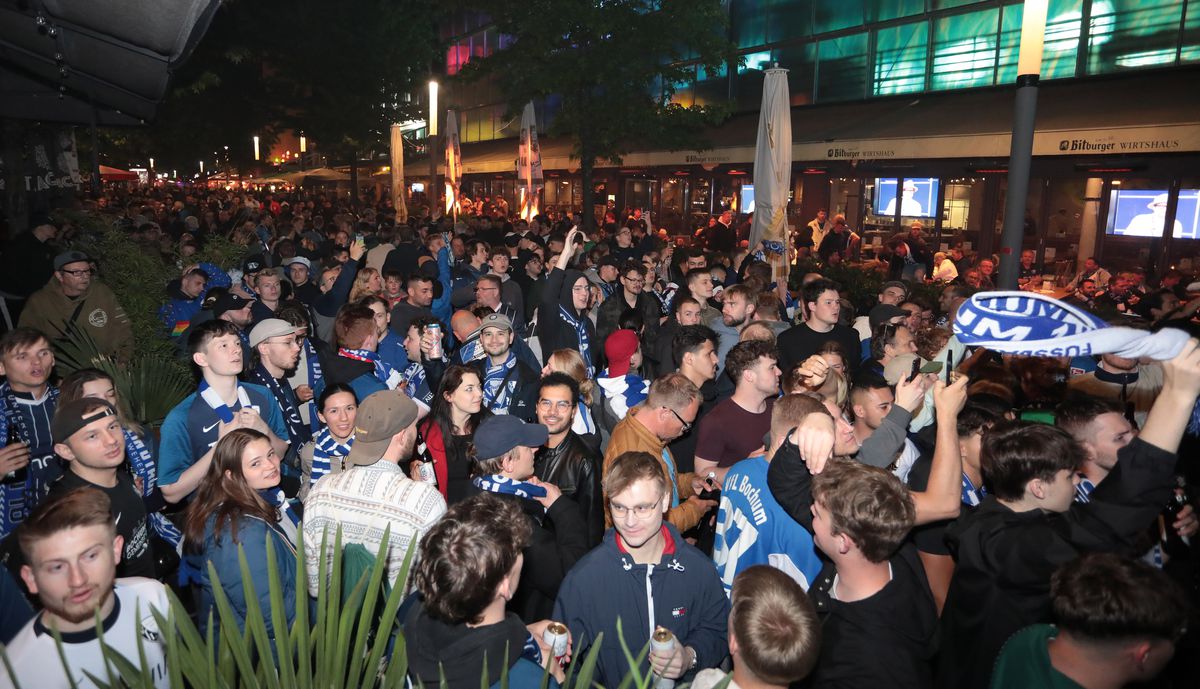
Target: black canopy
(61, 58)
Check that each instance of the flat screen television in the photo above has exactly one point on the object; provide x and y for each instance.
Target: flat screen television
(918, 197)
(1143, 213)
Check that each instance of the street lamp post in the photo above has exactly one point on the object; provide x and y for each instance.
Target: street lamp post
(1029, 65)
(432, 145)
(303, 150)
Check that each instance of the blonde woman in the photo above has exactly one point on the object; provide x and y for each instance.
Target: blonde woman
(368, 283)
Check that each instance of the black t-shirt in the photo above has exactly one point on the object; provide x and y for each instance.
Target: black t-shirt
(799, 342)
(137, 557)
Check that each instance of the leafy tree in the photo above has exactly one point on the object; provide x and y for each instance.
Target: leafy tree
(613, 65)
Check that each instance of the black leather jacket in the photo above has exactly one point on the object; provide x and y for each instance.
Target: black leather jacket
(574, 468)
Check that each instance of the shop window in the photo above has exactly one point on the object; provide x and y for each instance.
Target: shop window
(1064, 22)
(885, 10)
(900, 59)
(964, 50)
(842, 68)
(1128, 34)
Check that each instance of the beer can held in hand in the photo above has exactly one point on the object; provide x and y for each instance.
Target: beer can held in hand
(556, 637)
(662, 642)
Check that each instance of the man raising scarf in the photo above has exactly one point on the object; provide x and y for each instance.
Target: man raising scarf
(509, 385)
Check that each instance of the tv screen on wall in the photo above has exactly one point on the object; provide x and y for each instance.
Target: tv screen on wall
(918, 197)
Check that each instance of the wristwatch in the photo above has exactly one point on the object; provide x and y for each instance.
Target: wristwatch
(695, 658)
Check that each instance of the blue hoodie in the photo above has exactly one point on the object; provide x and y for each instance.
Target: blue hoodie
(606, 585)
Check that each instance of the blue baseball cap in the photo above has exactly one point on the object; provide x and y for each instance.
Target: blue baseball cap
(498, 434)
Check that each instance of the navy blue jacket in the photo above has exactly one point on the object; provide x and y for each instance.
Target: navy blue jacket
(606, 585)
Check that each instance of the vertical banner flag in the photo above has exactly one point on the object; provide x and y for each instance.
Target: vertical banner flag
(773, 172)
(398, 175)
(453, 164)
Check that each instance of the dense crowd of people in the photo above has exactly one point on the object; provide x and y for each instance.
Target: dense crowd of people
(582, 437)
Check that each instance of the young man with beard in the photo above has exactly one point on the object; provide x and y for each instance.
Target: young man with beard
(509, 385)
(503, 464)
(72, 550)
(27, 404)
(276, 344)
(736, 426)
(565, 459)
(220, 405)
(738, 308)
(646, 576)
(89, 437)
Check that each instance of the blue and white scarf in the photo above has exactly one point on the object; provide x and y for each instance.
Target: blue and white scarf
(580, 327)
(383, 371)
(214, 401)
(289, 521)
(326, 448)
(508, 486)
(583, 424)
(298, 432)
(624, 392)
(1032, 324)
(16, 501)
(416, 385)
(315, 377)
(141, 460)
(470, 351)
(499, 384)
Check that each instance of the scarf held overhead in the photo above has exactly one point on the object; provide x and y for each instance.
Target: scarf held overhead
(1032, 324)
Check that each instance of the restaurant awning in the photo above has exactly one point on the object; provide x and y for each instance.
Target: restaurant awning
(112, 174)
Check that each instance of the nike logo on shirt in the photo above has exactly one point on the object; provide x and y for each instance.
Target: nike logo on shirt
(209, 428)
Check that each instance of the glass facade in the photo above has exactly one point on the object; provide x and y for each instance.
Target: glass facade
(857, 49)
